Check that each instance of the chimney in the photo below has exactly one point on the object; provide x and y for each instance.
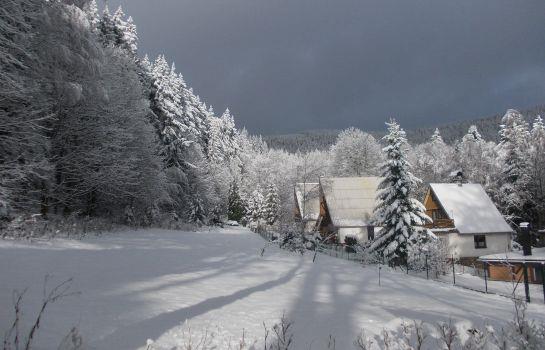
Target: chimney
(459, 178)
(524, 238)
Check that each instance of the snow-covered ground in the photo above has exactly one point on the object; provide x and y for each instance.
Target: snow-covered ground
(145, 284)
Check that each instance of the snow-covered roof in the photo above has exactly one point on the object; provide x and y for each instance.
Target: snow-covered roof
(538, 255)
(350, 200)
(311, 196)
(470, 208)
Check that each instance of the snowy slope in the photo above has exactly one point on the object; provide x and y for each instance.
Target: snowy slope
(145, 284)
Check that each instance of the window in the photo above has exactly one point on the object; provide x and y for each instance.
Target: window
(438, 215)
(370, 233)
(480, 241)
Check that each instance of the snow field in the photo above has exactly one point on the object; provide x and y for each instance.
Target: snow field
(145, 284)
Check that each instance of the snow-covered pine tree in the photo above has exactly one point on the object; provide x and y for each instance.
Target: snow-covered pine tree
(271, 205)
(195, 114)
(436, 137)
(146, 65)
(107, 29)
(130, 36)
(115, 30)
(473, 134)
(514, 194)
(222, 142)
(166, 102)
(254, 209)
(235, 210)
(399, 215)
(91, 9)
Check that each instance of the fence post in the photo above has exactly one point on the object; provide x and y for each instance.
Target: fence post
(526, 286)
(485, 279)
(453, 272)
(543, 280)
(427, 268)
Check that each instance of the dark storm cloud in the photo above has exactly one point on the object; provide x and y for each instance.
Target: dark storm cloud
(289, 65)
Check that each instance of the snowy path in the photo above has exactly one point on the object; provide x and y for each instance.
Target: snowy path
(145, 284)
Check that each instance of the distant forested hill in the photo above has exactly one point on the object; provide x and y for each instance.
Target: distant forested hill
(323, 139)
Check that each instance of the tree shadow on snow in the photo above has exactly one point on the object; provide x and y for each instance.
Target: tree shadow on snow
(135, 335)
(326, 305)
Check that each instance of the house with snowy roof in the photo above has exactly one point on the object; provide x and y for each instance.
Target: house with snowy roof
(465, 216)
(346, 207)
(307, 204)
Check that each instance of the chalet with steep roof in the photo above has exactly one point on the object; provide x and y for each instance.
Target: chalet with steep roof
(346, 207)
(466, 217)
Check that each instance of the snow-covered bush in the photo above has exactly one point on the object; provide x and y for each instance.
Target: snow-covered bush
(292, 239)
(17, 337)
(518, 334)
(429, 252)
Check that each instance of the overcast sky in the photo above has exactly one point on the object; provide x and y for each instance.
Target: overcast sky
(292, 65)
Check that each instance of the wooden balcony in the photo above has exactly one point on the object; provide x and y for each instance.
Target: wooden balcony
(440, 223)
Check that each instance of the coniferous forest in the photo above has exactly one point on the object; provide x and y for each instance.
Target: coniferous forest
(88, 127)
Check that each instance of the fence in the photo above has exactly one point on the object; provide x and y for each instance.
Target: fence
(468, 277)
(339, 251)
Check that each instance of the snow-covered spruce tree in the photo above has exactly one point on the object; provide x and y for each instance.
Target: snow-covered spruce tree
(196, 115)
(254, 208)
(514, 194)
(108, 32)
(181, 132)
(399, 215)
(537, 151)
(222, 141)
(91, 9)
(236, 208)
(436, 137)
(271, 205)
(116, 30)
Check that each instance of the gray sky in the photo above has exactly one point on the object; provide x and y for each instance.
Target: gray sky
(293, 65)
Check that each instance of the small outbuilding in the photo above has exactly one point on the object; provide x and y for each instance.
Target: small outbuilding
(346, 207)
(465, 216)
(307, 204)
(508, 266)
